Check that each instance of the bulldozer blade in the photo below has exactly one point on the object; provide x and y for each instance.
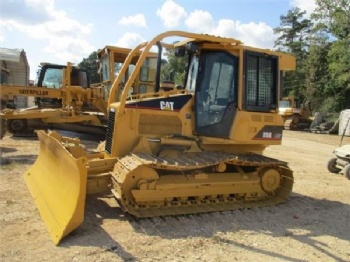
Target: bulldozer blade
(57, 182)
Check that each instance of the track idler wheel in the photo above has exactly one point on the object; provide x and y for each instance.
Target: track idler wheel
(17, 126)
(270, 179)
(295, 120)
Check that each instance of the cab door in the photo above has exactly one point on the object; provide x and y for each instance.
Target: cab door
(216, 93)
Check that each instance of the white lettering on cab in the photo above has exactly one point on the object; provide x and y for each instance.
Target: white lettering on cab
(166, 105)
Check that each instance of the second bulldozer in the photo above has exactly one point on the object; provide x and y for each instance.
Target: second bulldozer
(65, 98)
(190, 149)
(296, 116)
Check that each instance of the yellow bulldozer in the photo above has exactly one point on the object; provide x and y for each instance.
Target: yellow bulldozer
(296, 116)
(191, 147)
(63, 94)
(66, 100)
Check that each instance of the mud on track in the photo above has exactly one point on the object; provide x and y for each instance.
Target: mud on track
(312, 226)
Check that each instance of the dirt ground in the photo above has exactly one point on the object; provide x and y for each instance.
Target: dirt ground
(313, 225)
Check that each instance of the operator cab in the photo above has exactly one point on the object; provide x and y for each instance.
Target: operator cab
(51, 76)
(111, 60)
(213, 78)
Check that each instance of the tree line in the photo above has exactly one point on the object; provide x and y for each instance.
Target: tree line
(321, 46)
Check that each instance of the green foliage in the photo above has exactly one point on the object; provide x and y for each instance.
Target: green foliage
(293, 36)
(173, 69)
(91, 66)
(328, 104)
(339, 63)
(333, 16)
(321, 46)
(317, 74)
(293, 32)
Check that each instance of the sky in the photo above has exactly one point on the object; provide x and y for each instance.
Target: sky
(58, 31)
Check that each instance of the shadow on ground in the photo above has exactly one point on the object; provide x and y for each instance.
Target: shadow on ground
(18, 159)
(284, 220)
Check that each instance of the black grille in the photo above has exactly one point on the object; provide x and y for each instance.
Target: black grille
(110, 131)
(261, 81)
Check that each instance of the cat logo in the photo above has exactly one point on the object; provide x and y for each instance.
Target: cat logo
(166, 105)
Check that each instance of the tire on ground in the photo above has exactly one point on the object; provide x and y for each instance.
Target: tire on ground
(331, 165)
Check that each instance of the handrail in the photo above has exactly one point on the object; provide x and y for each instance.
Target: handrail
(146, 49)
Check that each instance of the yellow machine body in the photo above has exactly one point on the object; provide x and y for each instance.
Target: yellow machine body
(85, 106)
(294, 115)
(61, 207)
(195, 148)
